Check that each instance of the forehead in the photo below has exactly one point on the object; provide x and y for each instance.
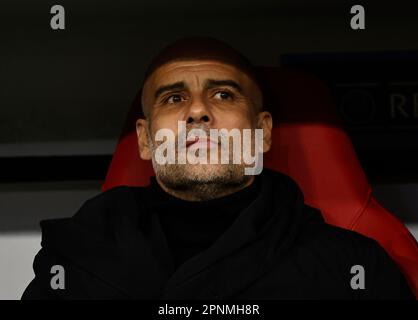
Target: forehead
(196, 70)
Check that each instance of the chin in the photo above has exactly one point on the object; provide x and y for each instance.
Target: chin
(204, 171)
(211, 172)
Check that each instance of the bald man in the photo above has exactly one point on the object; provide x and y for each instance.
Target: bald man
(207, 229)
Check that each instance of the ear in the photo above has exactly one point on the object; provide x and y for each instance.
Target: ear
(142, 135)
(265, 122)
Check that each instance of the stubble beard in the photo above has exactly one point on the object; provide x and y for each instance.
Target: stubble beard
(199, 182)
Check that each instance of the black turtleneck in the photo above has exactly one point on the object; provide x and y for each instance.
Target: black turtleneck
(192, 226)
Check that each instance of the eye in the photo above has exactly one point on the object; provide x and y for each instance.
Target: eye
(223, 95)
(174, 98)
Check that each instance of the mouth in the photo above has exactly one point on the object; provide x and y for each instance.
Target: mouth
(190, 142)
(199, 142)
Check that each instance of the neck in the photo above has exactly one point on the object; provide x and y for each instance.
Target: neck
(206, 191)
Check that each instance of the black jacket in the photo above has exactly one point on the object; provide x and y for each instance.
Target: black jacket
(277, 248)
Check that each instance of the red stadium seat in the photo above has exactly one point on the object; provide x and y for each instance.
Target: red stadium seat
(310, 146)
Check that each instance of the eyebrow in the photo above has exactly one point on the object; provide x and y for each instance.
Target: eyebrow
(211, 83)
(169, 87)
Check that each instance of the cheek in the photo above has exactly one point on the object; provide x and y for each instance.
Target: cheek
(164, 122)
(239, 120)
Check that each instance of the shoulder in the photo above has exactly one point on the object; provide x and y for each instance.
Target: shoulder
(350, 254)
(315, 231)
(109, 201)
(341, 242)
(99, 213)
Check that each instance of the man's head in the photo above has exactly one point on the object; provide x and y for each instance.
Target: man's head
(208, 85)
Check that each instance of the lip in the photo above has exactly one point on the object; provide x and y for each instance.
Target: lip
(200, 143)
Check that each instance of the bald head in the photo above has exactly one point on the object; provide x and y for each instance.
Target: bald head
(201, 49)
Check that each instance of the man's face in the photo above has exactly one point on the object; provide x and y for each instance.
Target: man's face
(206, 94)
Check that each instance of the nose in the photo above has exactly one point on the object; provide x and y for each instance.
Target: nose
(199, 112)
